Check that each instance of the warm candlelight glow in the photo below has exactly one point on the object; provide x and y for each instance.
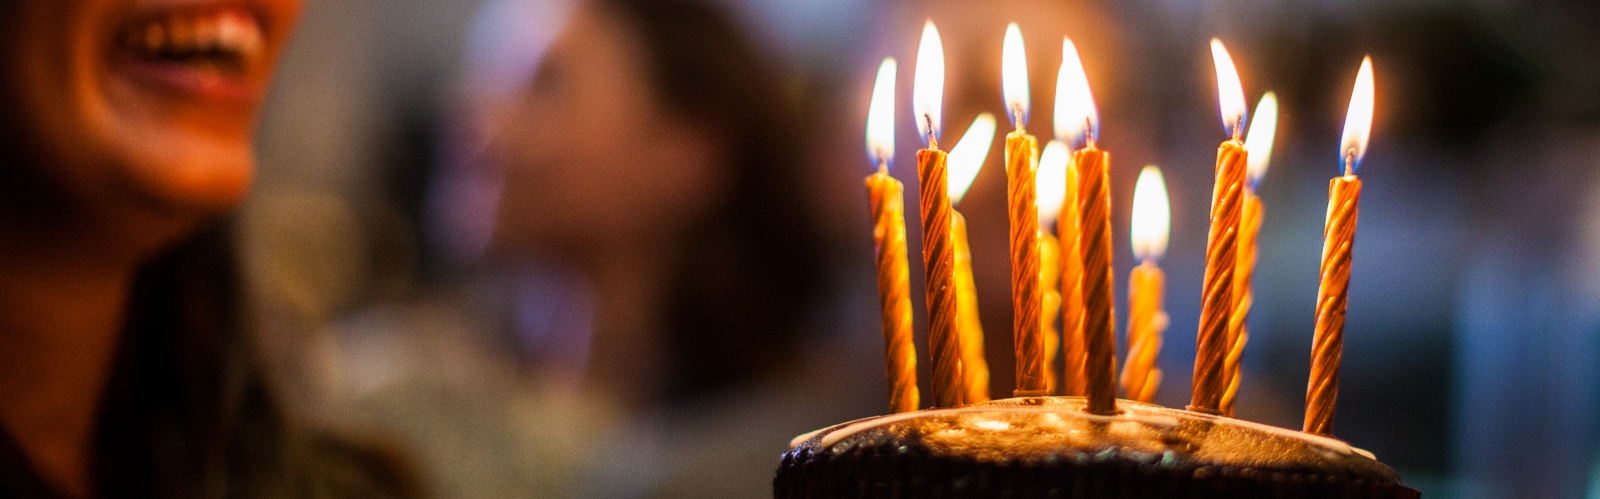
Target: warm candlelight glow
(1228, 196)
(1147, 317)
(1050, 191)
(880, 116)
(1358, 121)
(1076, 120)
(1014, 76)
(1338, 239)
(1258, 141)
(1022, 208)
(938, 221)
(927, 88)
(968, 156)
(1230, 93)
(885, 196)
(1258, 149)
(964, 162)
(1052, 182)
(1152, 217)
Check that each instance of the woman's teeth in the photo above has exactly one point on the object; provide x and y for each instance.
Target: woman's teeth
(224, 40)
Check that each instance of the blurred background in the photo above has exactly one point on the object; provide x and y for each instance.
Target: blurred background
(567, 249)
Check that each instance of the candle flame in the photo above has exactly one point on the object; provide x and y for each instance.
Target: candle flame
(1258, 141)
(927, 89)
(1014, 76)
(1051, 183)
(1152, 217)
(1358, 120)
(1230, 93)
(968, 156)
(1076, 120)
(880, 115)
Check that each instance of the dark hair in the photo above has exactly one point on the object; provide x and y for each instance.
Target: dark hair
(752, 270)
(189, 411)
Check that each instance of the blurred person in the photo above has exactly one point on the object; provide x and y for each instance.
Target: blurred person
(126, 367)
(651, 268)
(655, 152)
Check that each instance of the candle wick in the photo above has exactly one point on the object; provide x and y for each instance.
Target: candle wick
(933, 143)
(1016, 110)
(883, 167)
(1238, 126)
(1088, 133)
(1350, 162)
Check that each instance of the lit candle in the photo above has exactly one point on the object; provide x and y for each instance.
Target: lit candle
(1258, 143)
(1069, 118)
(889, 236)
(1344, 193)
(938, 252)
(1077, 122)
(1052, 184)
(1216, 307)
(1069, 239)
(1021, 151)
(1147, 318)
(966, 158)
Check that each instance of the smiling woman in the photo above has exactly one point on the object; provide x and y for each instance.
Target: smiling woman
(125, 370)
(153, 104)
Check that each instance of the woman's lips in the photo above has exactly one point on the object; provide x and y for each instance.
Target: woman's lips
(210, 54)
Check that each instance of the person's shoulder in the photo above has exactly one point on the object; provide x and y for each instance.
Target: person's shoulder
(342, 466)
(276, 454)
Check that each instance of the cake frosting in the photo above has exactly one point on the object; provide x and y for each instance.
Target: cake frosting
(1049, 447)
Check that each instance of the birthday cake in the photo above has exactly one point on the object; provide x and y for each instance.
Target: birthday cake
(1048, 447)
(1078, 447)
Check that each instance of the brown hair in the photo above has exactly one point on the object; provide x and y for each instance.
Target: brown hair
(753, 268)
(189, 411)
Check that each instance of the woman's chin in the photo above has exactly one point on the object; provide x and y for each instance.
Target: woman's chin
(197, 181)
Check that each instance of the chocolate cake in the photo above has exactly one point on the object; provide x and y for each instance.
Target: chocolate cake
(1048, 447)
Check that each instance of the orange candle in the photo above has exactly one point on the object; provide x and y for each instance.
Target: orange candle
(1238, 332)
(1052, 193)
(1258, 142)
(966, 159)
(1076, 122)
(1099, 319)
(938, 251)
(1068, 236)
(1021, 192)
(1049, 307)
(1147, 318)
(969, 328)
(1216, 308)
(1344, 195)
(889, 236)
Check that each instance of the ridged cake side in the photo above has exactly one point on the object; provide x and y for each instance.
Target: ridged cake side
(1047, 447)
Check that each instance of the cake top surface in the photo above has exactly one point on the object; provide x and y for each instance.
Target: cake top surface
(1020, 430)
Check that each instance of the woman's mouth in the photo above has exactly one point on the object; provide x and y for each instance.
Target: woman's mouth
(209, 53)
